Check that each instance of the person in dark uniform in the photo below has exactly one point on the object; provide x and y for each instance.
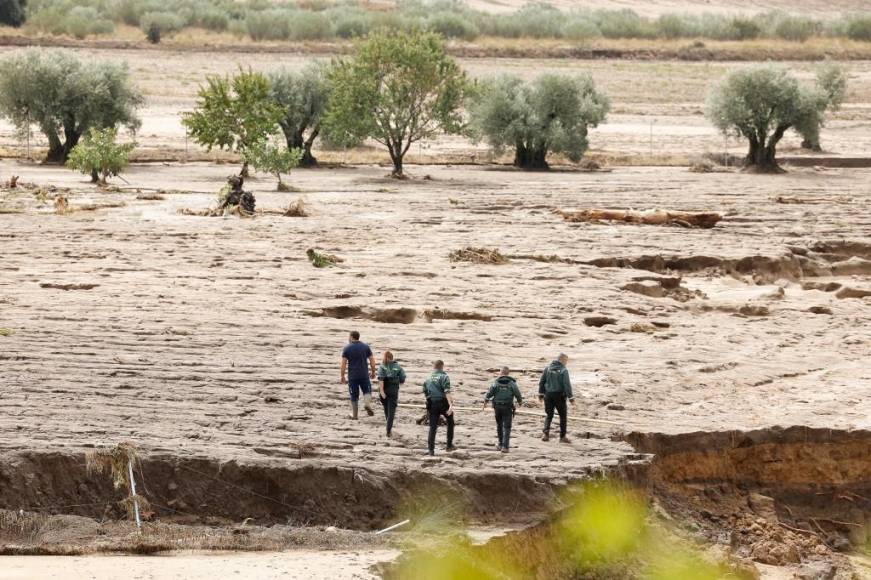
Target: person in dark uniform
(390, 375)
(353, 372)
(502, 394)
(555, 388)
(439, 403)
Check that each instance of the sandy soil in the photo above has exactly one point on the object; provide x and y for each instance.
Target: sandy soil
(203, 335)
(657, 106)
(301, 565)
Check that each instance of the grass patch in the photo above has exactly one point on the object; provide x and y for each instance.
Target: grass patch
(6, 332)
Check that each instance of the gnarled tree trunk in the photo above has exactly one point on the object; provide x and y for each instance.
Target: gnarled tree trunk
(530, 156)
(297, 140)
(761, 155)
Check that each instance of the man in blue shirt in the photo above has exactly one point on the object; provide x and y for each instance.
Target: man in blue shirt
(355, 355)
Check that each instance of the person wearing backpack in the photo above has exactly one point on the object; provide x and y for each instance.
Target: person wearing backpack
(502, 394)
(390, 376)
(555, 388)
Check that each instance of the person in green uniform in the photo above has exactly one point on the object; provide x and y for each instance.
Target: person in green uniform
(439, 403)
(390, 376)
(502, 394)
(555, 388)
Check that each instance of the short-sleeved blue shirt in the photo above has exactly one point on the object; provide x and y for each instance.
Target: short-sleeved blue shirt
(358, 354)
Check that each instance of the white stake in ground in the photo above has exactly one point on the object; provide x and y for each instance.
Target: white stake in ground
(133, 495)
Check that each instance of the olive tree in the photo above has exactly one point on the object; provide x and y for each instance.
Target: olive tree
(303, 98)
(65, 97)
(553, 113)
(233, 113)
(761, 103)
(832, 80)
(398, 88)
(100, 155)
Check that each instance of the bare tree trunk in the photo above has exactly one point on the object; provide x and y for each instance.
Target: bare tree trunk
(762, 154)
(530, 157)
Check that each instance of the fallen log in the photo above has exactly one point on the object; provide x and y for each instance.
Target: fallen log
(653, 217)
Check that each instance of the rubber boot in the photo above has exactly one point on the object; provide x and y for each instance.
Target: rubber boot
(367, 404)
(353, 410)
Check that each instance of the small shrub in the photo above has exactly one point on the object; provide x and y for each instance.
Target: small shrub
(745, 28)
(676, 26)
(794, 28)
(268, 25)
(214, 19)
(272, 157)
(581, 29)
(99, 155)
(623, 24)
(83, 21)
(304, 25)
(859, 28)
(452, 25)
(161, 22)
(354, 23)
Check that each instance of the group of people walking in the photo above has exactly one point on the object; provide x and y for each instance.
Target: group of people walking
(358, 369)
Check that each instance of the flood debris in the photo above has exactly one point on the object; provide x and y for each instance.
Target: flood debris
(653, 217)
(296, 208)
(478, 256)
(322, 260)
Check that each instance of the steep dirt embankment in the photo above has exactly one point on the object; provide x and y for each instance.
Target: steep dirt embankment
(207, 491)
(777, 496)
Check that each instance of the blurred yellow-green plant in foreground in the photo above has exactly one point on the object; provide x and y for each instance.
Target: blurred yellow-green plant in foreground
(605, 532)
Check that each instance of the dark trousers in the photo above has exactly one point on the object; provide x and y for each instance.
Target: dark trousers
(504, 417)
(435, 410)
(389, 403)
(555, 401)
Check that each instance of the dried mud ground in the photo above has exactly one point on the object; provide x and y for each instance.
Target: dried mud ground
(217, 336)
(216, 339)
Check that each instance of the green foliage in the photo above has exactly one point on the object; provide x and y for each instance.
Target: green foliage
(12, 13)
(324, 20)
(99, 154)
(303, 99)
(553, 113)
(859, 27)
(452, 25)
(233, 113)
(396, 90)
(606, 532)
(160, 23)
(273, 157)
(794, 28)
(267, 25)
(761, 103)
(65, 97)
(319, 260)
